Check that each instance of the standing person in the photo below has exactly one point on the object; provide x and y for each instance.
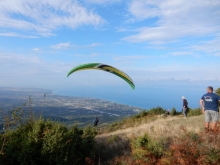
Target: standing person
(209, 103)
(96, 122)
(185, 106)
(168, 112)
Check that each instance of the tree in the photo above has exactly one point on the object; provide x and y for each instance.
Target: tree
(31, 141)
(217, 91)
(173, 112)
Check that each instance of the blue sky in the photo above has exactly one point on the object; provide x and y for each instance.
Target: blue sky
(151, 40)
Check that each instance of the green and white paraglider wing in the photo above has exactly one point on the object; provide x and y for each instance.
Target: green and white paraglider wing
(103, 67)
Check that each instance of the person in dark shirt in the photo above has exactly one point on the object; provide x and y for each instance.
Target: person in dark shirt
(185, 106)
(168, 112)
(209, 103)
(96, 122)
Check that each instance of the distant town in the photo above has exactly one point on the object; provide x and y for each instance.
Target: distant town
(70, 110)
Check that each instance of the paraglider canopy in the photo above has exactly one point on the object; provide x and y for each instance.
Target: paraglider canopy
(103, 67)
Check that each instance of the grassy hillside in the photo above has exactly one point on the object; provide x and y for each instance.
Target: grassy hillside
(148, 138)
(160, 126)
(118, 143)
(157, 139)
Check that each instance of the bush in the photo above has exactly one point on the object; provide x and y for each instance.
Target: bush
(173, 112)
(152, 111)
(140, 115)
(189, 149)
(157, 111)
(47, 143)
(194, 112)
(145, 150)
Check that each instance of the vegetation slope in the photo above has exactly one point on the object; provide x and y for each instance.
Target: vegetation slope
(149, 138)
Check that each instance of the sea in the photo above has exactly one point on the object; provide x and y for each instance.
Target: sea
(167, 97)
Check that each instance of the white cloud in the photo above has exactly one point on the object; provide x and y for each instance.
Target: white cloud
(175, 19)
(43, 17)
(68, 45)
(36, 49)
(141, 9)
(62, 46)
(210, 47)
(101, 1)
(181, 53)
(31, 71)
(93, 45)
(12, 34)
(131, 58)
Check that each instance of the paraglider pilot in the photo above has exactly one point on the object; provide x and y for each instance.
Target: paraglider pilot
(96, 122)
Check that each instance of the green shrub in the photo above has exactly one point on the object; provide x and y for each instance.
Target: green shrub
(157, 111)
(173, 112)
(46, 143)
(140, 115)
(147, 150)
(152, 111)
(194, 112)
(188, 149)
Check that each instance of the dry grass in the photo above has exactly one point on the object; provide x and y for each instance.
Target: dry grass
(117, 143)
(166, 127)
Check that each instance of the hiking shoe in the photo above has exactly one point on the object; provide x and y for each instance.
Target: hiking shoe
(206, 130)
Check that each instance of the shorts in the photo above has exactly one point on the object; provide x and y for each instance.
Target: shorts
(211, 115)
